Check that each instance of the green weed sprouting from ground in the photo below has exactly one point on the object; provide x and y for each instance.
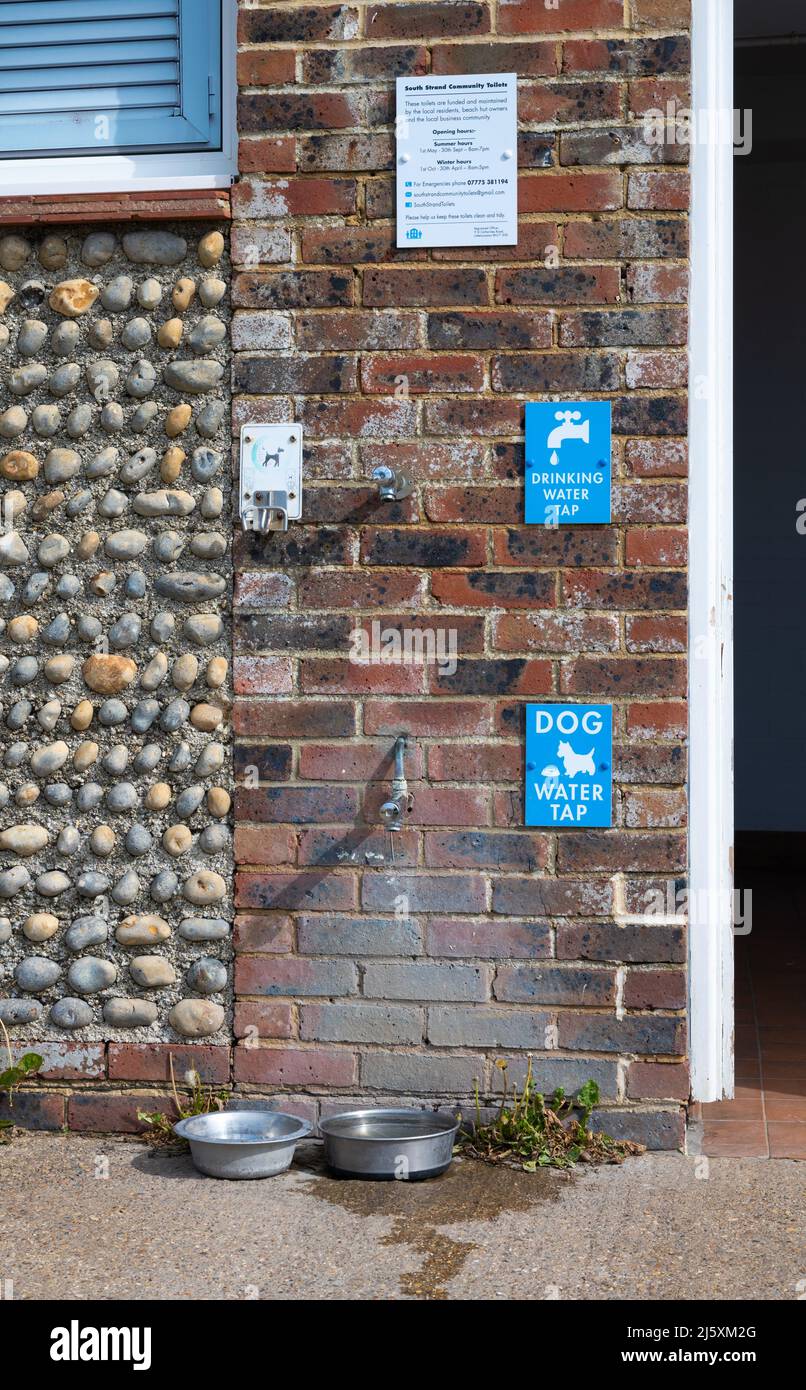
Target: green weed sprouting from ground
(14, 1075)
(534, 1132)
(199, 1101)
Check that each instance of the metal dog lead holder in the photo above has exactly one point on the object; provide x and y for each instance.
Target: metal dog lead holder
(271, 477)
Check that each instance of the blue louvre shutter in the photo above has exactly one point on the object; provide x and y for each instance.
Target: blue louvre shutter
(109, 76)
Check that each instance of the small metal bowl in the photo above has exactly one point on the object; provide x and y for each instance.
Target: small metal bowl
(242, 1143)
(387, 1144)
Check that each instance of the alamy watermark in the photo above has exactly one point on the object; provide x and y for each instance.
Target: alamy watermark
(405, 646)
(680, 125)
(671, 903)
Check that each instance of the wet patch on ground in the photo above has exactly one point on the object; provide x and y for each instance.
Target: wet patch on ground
(469, 1191)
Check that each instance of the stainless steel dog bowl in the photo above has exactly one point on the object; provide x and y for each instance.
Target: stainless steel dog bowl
(388, 1144)
(242, 1143)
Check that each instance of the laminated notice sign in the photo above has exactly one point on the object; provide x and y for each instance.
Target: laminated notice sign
(457, 166)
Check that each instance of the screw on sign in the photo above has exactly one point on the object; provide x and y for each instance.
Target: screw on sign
(569, 765)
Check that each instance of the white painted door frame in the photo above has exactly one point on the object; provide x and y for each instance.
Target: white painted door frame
(711, 558)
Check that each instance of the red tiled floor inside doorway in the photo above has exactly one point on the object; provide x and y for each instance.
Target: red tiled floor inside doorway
(767, 1117)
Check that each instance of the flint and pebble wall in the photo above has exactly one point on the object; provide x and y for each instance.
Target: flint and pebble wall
(115, 582)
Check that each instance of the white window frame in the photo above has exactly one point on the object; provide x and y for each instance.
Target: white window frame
(711, 717)
(118, 173)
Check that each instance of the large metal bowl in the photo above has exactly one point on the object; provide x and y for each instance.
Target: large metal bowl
(388, 1144)
(242, 1143)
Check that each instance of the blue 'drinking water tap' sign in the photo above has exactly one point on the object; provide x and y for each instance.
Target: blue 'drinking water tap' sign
(568, 462)
(569, 765)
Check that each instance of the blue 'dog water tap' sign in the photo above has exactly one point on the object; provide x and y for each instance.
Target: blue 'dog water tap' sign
(568, 446)
(569, 765)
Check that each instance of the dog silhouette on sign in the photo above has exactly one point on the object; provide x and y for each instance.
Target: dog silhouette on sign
(575, 762)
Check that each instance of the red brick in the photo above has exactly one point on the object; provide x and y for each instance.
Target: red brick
(466, 938)
(655, 989)
(493, 676)
(425, 373)
(555, 632)
(665, 632)
(480, 849)
(286, 1066)
(271, 932)
(525, 59)
(291, 289)
(565, 285)
(655, 807)
(531, 546)
(294, 975)
(65, 1061)
(357, 328)
(653, 503)
(631, 57)
(499, 328)
(659, 191)
(549, 192)
(653, 370)
(471, 762)
(650, 94)
(427, 19)
(36, 1110)
(302, 891)
(616, 851)
(428, 718)
(262, 675)
(535, 17)
(568, 103)
(319, 677)
(656, 546)
(377, 591)
(263, 1018)
(623, 676)
(657, 284)
(658, 1081)
(277, 155)
(648, 458)
(445, 806)
(499, 506)
(358, 419)
(106, 1113)
(152, 1062)
(623, 589)
(268, 845)
(494, 589)
(293, 197)
(353, 762)
(412, 286)
(478, 416)
(660, 14)
(664, 719)
(263, 67)
(359, 845)
(364, 63)
(347, 245)
(289, 24)
(281, 111)
(292, 719)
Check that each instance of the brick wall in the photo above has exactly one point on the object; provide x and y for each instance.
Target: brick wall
(356, 975)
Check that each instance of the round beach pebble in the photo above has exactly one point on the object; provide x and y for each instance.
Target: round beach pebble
(196, 1018)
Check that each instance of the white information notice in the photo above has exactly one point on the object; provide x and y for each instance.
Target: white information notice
(457, 164)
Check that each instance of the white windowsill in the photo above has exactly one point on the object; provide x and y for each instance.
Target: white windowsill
(144, 173)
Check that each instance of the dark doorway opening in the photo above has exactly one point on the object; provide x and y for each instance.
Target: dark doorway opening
(768, 1115)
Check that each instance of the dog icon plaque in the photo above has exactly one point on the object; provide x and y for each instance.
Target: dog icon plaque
(569, 765)
(568, 446)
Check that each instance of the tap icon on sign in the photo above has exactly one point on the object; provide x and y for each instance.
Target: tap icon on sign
(569, 430)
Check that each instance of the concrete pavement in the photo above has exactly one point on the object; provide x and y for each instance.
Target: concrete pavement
(88, 1218)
